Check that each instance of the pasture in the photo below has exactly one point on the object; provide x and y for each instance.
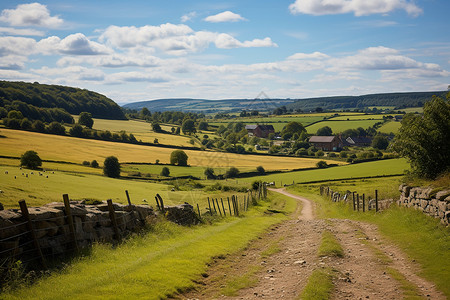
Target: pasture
(38, 189)
(142, 131)
(389, 127)
(369, 169)
(69, 149)
(175, 171)
(340, 126)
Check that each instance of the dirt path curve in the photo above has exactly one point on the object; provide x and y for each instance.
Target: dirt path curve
(279, 263)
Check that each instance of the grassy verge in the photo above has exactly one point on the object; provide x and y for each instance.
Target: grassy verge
(419, 236)
(237, 283)
(330, 246)
(319, 285)
(161, 263)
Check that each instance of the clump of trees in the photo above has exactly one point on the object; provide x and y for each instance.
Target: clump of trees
(425, 140)
(30, 159)
(165, 172)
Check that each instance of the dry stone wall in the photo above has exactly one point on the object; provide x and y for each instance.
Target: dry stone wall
(91, 223)
(428, 200)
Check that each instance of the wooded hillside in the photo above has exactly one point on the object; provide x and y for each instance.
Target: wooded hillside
(28, 97)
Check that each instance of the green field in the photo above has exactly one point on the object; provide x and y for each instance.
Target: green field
(340, 126)
(389, 127)
(375, 168)
(358, 117)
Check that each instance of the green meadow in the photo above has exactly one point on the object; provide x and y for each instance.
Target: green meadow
(340, 126)
(389, 127)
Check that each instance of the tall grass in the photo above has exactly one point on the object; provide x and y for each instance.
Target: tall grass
(153, 266)
(319, 285)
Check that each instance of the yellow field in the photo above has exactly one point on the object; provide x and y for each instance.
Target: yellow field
(63, 148)
(141, 130)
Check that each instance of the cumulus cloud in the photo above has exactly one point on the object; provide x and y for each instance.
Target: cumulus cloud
(16, 45)
(358, 7)
(174, 39)
(136, 77)
(74, 44)
(226, 41)
(226, 16)
(111, 61)
(33, 14)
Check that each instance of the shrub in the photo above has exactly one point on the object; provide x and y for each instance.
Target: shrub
(94, 164)
(56, 128)
(38, 126)
(209, 173)
(111, 167)
(86, 119)
(332, 154)
(86, 163)
(25, 124)
(165, 172)
(322, 164)
(319, 153)
(178, 157)
(232, 172)
(30, 159)
(343, 154)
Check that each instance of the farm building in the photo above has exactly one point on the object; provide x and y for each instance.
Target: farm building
(261, 131)
(327, 143)
(358, 141)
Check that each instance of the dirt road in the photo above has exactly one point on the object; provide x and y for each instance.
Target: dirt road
(279, 264)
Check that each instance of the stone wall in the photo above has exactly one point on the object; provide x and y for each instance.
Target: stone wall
(92, 223)
(428, 200)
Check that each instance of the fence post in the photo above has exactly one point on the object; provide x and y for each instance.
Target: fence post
(218, 207)
(199, 215)
(214, 205)
(357, 202)
(236, 207)
(364, 202)
(210, 210)
(128, 198)
(70, 220)
(26, 215)
(353, 197)
(157, 203)
(223, 207)
(376, 200)
(112, 216)
(162, 203)
(229, 207)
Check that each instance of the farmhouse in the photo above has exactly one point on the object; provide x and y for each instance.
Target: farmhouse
(327, 143)
(358, 141)
(261, 131)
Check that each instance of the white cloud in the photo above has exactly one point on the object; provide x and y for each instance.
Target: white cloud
(12, 62)
(175, 39)
(18, 31)
(315, 55)
(226, 16)
(187, 17)
(111, 61)
(358, 7)
(74, 44)
(32, 14)
(135, 77)
(72, 73)
(17, 45)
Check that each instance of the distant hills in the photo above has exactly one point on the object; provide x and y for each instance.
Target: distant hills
(396, 100)
(35, 100)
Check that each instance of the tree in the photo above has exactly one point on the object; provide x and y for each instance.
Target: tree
(30, 159)
(56, 128)
(203, 126)
(380, 142)
(232, 172)
(293, 128)
(76, 131)
(425, 140)
(86, 119)
(38, 126)
(111, 167)
(188, 127)
(178, 157)
(15, 114)
(324, 131)
(156, 127)
(165, 172)
(94, 164)
(209, 173)
(260, 170)
(322, 164)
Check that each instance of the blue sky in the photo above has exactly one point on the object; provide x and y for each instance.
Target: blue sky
(143, 50)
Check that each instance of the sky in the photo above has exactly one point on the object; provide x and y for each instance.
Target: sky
(144, 50)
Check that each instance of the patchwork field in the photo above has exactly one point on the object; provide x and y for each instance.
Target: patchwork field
(340, 126)
(389, 127)
(63, 148)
